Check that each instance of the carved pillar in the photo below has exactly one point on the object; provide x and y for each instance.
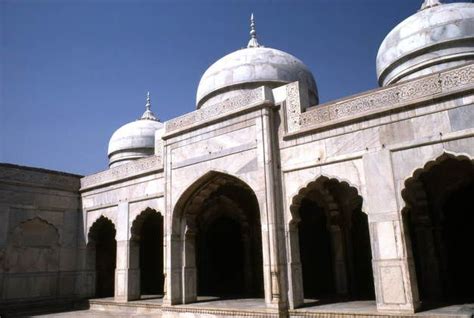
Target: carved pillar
(127, 271)
(295, 269)
(339, 259)
(272, 231)
(172, 243)
(189, 279)
(393, 266)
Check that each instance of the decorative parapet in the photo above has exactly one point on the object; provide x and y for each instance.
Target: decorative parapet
(38, 177)
(204, 115)
(376, 101)
(125, 171)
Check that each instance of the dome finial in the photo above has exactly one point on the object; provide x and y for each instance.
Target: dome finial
(429, 4)
(148, 114)
(253, 34)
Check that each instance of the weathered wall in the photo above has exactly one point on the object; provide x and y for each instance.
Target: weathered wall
(39, 221)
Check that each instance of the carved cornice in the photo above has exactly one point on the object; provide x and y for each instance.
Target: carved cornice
(377, 101)
(125, 171)
(208, 113)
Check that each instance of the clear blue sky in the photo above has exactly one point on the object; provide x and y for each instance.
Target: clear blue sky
(72, 72)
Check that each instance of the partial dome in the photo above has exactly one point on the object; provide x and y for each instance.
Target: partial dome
(134, 140)
(249, 68)
(437, 37)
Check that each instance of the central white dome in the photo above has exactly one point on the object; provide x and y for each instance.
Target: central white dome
(251, 67)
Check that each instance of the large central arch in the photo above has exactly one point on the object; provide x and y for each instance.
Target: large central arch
(217, 231)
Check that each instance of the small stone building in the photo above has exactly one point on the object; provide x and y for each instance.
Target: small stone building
(264, 193)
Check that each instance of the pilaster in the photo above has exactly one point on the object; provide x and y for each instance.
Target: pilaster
(393, 267)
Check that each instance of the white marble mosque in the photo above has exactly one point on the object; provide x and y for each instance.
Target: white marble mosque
(263, 202)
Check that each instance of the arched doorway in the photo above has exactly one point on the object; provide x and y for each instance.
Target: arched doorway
(222, 239)
(439, 219)
(102, 241)
(334, 242)
(147, 235)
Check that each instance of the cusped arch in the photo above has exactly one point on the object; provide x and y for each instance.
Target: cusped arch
(137, 224)
(412, 181)
(95, 228)
(321, 184)
(42, 221)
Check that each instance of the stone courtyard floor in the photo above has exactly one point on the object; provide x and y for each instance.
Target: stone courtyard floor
(151, 307)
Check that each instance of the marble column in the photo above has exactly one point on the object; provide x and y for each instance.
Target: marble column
(127, 270)
(393, 266)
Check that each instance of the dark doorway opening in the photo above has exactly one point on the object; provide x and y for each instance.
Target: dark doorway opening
(151, 255)
(228, 244)
(315, 252)
(220, 263)
(440, 220)
(334, 243)
(105, 257)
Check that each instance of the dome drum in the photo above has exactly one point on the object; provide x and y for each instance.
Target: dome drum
(434, 39)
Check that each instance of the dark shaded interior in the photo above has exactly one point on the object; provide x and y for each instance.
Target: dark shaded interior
(322, 232)
(105, 253)
(151, 255)
(228, 244)
(440, 221)
(315, 252)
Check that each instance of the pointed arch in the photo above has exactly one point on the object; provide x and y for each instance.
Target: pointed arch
(213, 202)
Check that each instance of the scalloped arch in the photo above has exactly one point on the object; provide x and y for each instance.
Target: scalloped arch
(95, 226)
(138, 222)
(319, 183)
(429, 165)
(41, 219)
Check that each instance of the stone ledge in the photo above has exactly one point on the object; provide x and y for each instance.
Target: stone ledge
(205, 116)
(122, 172)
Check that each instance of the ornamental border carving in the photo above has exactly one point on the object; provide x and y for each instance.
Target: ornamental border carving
(376, 101)
(216, 110)
(127, 170)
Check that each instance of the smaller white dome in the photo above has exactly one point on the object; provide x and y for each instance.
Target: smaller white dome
(134, 140)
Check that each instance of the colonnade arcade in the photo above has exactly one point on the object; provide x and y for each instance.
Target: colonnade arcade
(215, 240)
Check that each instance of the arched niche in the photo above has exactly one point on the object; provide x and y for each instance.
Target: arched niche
(102, 251)
(329, 241)
(438, 222)
(146, 249)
